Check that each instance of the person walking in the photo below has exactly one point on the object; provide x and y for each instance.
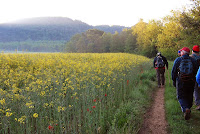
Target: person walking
(159, 64)
(183, 75)
(195, 55)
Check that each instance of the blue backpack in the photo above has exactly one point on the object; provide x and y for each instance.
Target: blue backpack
(186, 69)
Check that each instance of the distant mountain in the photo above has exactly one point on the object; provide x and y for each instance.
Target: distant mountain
(47, 28)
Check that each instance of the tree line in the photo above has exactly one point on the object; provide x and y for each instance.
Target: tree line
(33, 46)
(181, 28)
(98, 41)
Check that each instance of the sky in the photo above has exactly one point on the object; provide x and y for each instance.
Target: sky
(93, 12)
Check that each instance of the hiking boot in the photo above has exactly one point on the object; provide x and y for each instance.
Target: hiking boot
(187, 114)
(198, 107)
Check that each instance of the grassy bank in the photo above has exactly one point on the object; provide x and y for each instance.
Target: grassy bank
(174, 115)
(128, 118)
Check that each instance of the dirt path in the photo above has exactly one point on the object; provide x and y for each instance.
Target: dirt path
(155, 122)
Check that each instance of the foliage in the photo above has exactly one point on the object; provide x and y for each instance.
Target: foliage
(169, 41)
(191, 24)
(94, 40)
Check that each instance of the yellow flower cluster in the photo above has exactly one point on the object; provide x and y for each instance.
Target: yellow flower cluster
(35, 115)
(2, 102)
(21, 119)
(60, 108)
(37, 82)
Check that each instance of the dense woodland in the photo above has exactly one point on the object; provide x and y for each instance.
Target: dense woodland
(181, 28)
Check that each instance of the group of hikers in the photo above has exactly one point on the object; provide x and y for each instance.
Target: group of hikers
(185, 75)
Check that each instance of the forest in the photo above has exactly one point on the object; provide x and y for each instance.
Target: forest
(179, 29)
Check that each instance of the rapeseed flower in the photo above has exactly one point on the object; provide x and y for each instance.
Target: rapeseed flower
(35, 115)
(2, 102)
(8, 114)
(59, 81)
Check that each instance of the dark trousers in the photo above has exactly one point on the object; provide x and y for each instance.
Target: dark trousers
(160, 73)
(197, 94)
(185, 92)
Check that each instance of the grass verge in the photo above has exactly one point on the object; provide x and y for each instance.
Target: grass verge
(128, 118)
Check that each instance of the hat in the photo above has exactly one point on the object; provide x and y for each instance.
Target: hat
(159, 54)
(195, 48)
(185, 49)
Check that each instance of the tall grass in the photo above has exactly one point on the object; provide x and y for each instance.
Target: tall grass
(74, 93)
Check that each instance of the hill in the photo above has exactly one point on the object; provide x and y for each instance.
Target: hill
(47, 28)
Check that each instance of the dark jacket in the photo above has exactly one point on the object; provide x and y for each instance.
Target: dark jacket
(164, 59)
(175, 68)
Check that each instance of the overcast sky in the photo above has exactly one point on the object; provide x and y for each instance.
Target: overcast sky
(92, 12)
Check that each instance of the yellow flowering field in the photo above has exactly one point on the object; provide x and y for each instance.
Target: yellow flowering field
(62, 93)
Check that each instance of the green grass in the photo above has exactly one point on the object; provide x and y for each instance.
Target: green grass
(174, 115)
(129, 117)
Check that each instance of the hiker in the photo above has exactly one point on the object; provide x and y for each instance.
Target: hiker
(183, 76)
(159, 64)
(195, 55)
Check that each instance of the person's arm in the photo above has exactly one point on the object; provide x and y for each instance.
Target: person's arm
(174, 72)
(196, 67)
(154, 61)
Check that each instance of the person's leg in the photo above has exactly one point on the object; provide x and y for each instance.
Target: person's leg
(185, 97)
(185, 107)
(158, 76)
(182, 95)
(190, 97)
(162, 73)
(184, 104)
(197, 96)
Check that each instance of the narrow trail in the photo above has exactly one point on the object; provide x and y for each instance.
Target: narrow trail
(155, 122)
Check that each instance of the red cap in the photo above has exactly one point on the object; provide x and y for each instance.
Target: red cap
(195, 48)
(186, 49)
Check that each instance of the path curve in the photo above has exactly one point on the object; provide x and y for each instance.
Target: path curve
(154, 120)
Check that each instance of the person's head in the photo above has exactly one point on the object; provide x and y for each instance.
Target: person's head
(159, 54)
(185, 51)
(179, 52)
(195, 49)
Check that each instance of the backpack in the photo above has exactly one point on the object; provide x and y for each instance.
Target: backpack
(197, 58)
(159, 62)
(186, 69)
